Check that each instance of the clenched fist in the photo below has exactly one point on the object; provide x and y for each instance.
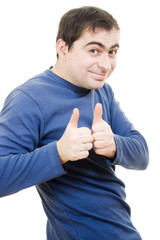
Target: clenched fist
(103, 136)
(75, 142)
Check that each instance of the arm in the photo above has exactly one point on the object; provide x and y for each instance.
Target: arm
(131, 147)
(120, 143)
(22, 162)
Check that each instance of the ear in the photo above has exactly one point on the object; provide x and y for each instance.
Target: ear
(62, 48)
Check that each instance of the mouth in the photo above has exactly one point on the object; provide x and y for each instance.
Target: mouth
(98, 76)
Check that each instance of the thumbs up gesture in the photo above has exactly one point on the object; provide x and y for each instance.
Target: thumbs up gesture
(103, 136)
(75, 142)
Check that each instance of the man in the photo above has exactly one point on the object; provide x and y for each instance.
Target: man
(64, 132)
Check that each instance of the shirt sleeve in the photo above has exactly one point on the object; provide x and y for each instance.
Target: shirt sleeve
(22, 162)
(131, 147)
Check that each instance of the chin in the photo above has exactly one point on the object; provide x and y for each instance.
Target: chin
(97, 86)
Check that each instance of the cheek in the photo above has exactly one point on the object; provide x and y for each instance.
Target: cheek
(80, 63)
(113, 64)
(73, 64)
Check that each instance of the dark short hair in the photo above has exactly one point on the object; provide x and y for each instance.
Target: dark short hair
(74, 22)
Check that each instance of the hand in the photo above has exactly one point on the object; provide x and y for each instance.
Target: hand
(75, 142)
(103, 136)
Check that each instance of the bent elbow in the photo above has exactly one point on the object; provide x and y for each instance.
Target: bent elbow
(144, 156)
(145, 163)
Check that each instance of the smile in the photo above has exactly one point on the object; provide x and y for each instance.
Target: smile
(98, 75)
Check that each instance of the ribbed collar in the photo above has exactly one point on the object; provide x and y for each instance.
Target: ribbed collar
(65, 83)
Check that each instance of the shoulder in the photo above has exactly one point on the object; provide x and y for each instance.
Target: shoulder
(32, 90)
(24, 98)
(36, 84)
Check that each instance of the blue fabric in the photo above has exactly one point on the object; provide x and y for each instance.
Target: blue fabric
(83, 200)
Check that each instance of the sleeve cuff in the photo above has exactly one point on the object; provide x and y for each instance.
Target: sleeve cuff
(56, 168)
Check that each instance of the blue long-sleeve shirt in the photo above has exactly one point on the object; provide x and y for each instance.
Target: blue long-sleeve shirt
(83, 200)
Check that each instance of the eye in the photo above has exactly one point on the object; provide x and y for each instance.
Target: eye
(94, 51)
(112, 53)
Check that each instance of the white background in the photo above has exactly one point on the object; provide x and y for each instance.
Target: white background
(27, 47)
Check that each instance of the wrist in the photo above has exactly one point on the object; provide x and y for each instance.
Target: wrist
(62, 160)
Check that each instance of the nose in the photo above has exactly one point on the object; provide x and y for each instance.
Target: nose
(104, 62)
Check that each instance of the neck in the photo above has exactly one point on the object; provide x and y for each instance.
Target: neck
(59, 70)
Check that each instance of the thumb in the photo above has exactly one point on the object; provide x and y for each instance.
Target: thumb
(74, 118)
(97, 113)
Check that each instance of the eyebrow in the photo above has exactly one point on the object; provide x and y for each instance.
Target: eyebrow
(101, 45)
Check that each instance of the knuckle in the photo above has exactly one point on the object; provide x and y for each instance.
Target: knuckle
(94, 136)
(90, 146)
(74, 157)
(87, 130)
(90, 139)
(95, 145)
(86, 154)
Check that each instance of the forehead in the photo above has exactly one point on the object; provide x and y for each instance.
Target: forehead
(106, 38)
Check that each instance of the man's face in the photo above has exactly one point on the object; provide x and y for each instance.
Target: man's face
(92, 58)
